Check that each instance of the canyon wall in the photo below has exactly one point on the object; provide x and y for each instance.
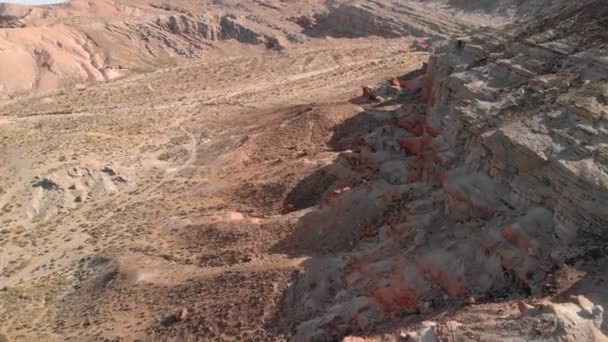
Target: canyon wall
(489, 175)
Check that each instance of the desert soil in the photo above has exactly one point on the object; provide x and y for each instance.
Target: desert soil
(209, 152)
(165, 203)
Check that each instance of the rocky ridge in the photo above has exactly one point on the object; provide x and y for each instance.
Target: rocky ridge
(226, 27)
(487, 178)
(461, 201)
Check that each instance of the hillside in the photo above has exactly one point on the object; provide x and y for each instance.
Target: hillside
(54, 46)
(303, 170)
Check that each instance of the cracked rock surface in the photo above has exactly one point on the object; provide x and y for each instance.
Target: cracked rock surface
(304, 171)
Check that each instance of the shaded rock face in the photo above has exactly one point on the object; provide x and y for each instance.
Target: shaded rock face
(232, 28)
(215, 28)
(388, 19)
(11, 16)
(205, 28)
(519, 8)
(534, 135)
(358, 20)
(355, 20)
(489, 175)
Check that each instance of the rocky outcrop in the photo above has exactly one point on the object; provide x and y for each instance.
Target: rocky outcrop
(201, 27)
(358, 20)
(12, 16)
(306, 21)
(528, 118)
(68, 188)
(490, 174)
(578, 319)
(217, 28)
(389, 19)
(517, 9)
(233, 28)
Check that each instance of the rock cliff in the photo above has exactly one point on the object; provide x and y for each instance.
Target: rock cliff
(489, 175)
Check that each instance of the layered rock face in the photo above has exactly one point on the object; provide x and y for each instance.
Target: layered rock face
(515, 8)
(12, 16)
(389, 19)
(536, 137)
(215, 28)
(360, 20)
(205, 27)
(487, 177)
(534, 112)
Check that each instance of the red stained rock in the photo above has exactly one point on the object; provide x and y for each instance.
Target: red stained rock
(393, 299)
(412, 145)
(450, 283)
(412, 125)
(517, 238)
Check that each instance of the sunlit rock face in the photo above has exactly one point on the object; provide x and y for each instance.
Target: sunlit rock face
(490, 174)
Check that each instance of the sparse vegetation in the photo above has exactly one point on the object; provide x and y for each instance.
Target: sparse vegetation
(217, 190)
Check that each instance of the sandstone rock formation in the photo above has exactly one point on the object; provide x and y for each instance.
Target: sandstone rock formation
(484, 184)
(364, 19)
(224, 190)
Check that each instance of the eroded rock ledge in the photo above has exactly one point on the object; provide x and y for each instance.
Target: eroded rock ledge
(490, 174)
